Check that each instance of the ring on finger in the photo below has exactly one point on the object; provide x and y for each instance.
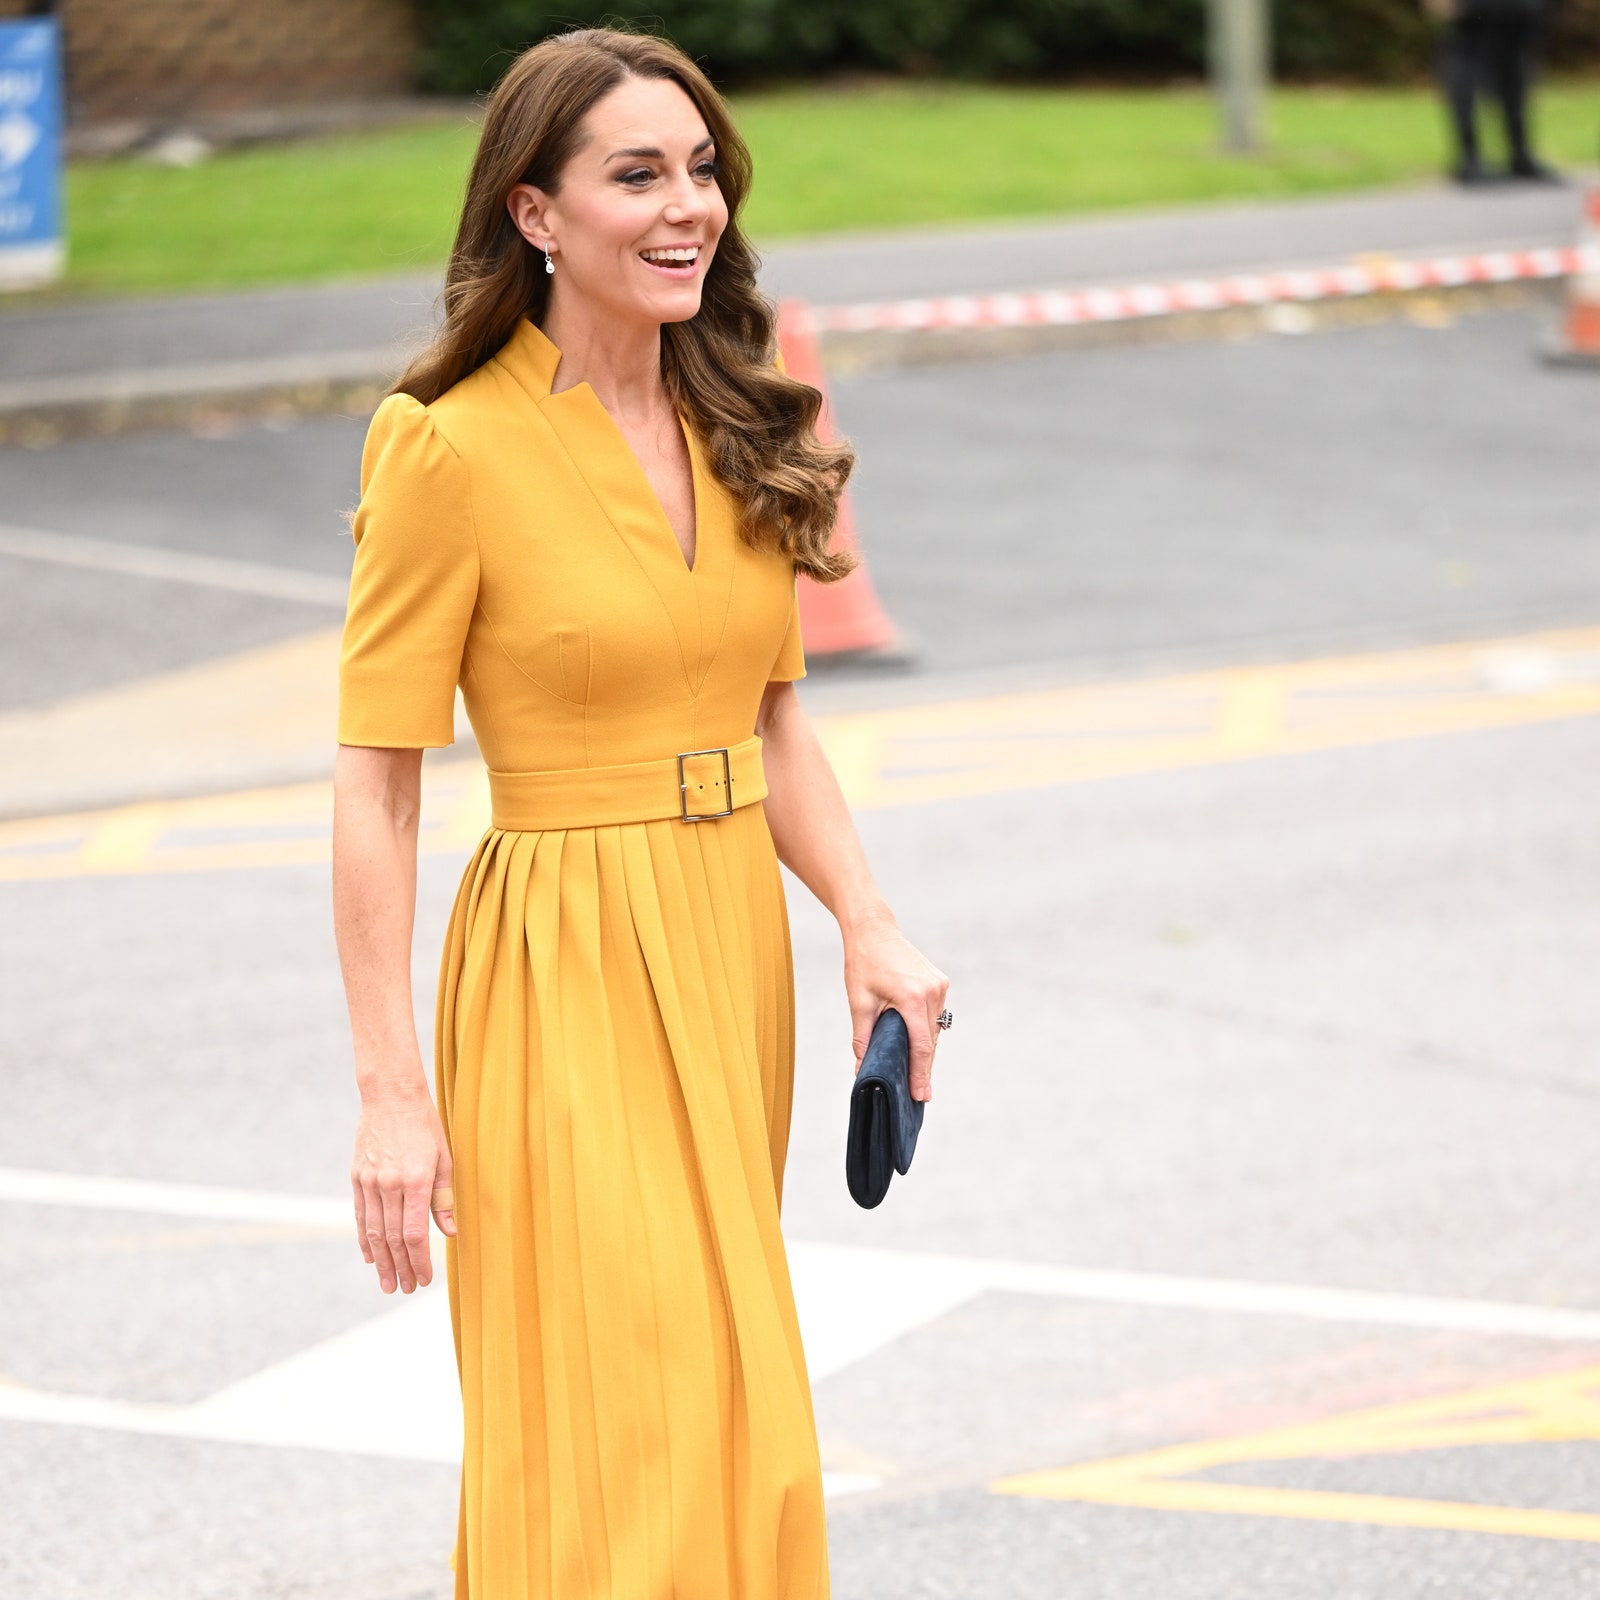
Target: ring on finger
(945, 1021)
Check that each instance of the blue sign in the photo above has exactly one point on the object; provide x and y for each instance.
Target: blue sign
(31, 248)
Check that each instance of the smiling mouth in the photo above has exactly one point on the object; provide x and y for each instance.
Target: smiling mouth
(675, 261)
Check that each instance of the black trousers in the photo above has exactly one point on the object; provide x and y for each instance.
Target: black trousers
(1490, 53)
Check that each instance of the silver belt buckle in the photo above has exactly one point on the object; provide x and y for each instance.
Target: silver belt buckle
(683, 786)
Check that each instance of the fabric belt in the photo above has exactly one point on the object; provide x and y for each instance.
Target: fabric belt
(694, 786)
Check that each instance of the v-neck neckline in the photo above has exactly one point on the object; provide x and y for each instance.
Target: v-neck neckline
(696, 598)
(690, 568)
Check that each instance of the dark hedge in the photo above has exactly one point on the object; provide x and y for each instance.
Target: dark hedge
(468, 42)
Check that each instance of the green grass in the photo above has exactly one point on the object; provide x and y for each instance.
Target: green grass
(826, 159)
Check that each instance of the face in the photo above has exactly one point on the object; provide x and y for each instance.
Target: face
(638, 214)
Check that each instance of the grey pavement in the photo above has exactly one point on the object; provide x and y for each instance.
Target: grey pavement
(1129, 508)
(1322, 1019)
(351, 330)
(1099, 510)
(270, 493)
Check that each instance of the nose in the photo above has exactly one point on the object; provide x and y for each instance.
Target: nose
(687, 201)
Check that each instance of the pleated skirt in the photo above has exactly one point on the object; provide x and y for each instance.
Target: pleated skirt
(615, 1056)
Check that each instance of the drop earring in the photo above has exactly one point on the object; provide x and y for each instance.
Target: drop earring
(549, 265)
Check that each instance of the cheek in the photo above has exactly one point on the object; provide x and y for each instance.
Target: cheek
(603, 224)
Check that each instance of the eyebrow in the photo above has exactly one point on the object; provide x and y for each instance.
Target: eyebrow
(650, 153)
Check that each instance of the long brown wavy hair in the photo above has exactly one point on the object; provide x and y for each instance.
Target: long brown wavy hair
(758, 426)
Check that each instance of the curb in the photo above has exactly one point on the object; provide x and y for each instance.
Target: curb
(869, 336)
(41, 411)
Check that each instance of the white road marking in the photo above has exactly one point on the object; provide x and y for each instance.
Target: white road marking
(175, 566)
(907, 1278)
(32, 1186)
(385, 1388)
(340, 1394)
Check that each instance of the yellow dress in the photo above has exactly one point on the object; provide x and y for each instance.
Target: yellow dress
(615, 1039)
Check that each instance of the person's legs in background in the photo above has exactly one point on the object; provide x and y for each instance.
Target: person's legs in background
(1461, 62)
(1511, 60)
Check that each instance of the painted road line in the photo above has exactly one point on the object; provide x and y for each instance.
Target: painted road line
(264, 714)
(175, 566)
(1552, 1408)
(1038, 738)
(917, 754)
(888, 1287)
(207, 1202)
(338, 1394)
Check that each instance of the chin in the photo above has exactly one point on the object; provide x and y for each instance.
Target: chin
(676, 307)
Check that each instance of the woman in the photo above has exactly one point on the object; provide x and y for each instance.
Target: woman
(586, 504)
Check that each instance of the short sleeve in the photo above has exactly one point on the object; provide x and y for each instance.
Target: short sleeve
(791, 662)
(413, 587)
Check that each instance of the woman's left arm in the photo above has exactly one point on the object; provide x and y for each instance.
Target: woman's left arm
(816, 840)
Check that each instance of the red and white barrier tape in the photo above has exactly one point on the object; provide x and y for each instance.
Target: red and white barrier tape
(1065, 307)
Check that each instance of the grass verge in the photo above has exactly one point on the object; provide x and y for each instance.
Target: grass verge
(826, 159)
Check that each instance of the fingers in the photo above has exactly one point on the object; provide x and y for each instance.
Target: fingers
(401, 1171)
(921, 1035)
(863, 1013)
(392, 1224)
(394, 1190)
(377, 1242)
(921, 1012)
(444, 1197)
(919, 1000)
(361, 1220)
(414, 1231)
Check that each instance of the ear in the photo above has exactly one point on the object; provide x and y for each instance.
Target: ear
(530, 208)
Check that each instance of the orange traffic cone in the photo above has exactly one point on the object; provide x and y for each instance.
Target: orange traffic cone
(1580, 340)
(843, 619)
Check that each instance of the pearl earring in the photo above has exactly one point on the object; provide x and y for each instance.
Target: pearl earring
(549, 265)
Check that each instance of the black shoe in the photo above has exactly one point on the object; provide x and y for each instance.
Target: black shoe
(1473, 172)
(1526, 170)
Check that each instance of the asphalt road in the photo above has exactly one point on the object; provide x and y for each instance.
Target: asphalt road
(1120, 508)
(1322, 1019)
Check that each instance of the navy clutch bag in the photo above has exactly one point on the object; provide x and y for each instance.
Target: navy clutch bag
(884, 1119)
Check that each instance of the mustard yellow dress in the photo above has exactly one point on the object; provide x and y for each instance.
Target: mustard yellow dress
(615, 1036)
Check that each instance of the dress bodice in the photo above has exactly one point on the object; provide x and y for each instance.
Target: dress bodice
(508, 540)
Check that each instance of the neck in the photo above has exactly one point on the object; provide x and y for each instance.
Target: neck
(620, 361)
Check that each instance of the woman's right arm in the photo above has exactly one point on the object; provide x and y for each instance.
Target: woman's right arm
(401, 1155)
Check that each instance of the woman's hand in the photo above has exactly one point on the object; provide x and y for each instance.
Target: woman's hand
(401, 1159)
(883, 968)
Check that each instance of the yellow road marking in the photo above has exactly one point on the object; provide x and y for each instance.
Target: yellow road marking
(912, 754)
(1250, 719)
(207, 722)
(121, 840)
(1562, 1407)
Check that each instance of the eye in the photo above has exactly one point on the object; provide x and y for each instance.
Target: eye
(707, 170)
(636, 178)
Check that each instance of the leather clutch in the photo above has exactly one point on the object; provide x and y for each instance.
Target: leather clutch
(884, 1119)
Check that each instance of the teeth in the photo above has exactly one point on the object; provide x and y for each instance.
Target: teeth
(681, 253)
